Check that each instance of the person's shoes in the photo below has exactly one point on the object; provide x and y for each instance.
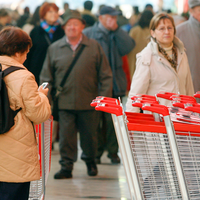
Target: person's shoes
(91, 168)
(63, 174)
(114, 158)
(97, 160)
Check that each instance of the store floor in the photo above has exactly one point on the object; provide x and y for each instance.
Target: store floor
(110, 183)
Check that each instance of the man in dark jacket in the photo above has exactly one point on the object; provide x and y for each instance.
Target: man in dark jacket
(115, 43)
(90, 76)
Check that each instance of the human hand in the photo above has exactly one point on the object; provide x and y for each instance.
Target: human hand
(44, 91)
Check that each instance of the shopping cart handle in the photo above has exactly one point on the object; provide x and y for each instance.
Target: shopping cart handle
(164, 96)
(179, 105)
(137, 104)
(114, 100)
(110, 108)
(160, 109)
(95, 102)
(184, 98)
(197, 94)
(143, 96)
(193, 109)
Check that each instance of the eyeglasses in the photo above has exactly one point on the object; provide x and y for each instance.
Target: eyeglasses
(163, 29)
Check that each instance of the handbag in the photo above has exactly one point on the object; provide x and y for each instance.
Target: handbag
(58, 90)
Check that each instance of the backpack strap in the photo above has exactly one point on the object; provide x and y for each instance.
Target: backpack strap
(10, 70)
(5, 73)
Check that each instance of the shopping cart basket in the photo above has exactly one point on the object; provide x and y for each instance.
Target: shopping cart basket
(44, 137)
(161, 162)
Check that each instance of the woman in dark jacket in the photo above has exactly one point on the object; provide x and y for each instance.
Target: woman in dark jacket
(42, 36)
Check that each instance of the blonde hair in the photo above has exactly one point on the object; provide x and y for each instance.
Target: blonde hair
(158, 17)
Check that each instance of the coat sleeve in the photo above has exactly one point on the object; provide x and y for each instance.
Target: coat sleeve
(35, 104)
(123, 41)
(140, 82)
(46, 74)
(104, 74)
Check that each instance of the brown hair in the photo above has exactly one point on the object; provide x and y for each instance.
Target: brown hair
(46, 7)
(158, 17)
(14, 40)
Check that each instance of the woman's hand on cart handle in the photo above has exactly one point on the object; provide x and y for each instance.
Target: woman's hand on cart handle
(160, 109)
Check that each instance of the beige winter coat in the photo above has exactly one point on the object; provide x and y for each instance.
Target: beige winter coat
(18, 147)
(154, 74)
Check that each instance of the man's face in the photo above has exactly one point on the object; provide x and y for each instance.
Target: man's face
(195, 12)
(107, 20)
(73, 29)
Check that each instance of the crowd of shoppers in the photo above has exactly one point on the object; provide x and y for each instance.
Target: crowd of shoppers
(157, 61)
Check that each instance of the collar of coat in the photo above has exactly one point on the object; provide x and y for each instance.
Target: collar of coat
(178, 43)
(194, 22)
(7, 61)
(63, 41)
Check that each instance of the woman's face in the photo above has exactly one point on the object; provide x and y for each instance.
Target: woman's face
(164, 33)
(51, 16)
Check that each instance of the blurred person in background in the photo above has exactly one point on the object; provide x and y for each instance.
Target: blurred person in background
(19, 160)
(121, 19)
(22, 19)
(32, 21)
(162, 65)
(42, 36)
(115, 43)
(140, 34)
(87, 15)
(189, 33)
(133, 19)
(66, 10)
(90, 76)
(4, 18)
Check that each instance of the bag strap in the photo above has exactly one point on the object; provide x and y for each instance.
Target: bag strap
(60, 87)
(10, 70)
(5, 73)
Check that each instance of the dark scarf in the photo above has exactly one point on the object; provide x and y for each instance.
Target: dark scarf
(173, 60)
(50, 29)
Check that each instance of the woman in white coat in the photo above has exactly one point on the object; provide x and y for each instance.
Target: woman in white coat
(162, 65)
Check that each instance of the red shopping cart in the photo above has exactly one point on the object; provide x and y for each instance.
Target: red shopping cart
(161, 159)
(44, 137)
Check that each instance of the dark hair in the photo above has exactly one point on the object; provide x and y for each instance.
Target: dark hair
(145, 18)
(88, 5)
(148, 6)
(46, 7)
(14, 40)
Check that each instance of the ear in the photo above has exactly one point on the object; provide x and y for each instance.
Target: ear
(17, 55)
(153, 34)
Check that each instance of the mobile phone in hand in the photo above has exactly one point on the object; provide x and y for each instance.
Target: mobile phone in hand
(44, 85)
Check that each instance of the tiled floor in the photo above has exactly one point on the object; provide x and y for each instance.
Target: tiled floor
(109, 184)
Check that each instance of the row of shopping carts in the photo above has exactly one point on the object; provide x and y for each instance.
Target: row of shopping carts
(161, 150)
(44, 136)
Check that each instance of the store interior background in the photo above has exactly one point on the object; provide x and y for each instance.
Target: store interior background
(176, 6)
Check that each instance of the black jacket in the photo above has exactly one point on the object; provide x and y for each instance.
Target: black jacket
(37, 54)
